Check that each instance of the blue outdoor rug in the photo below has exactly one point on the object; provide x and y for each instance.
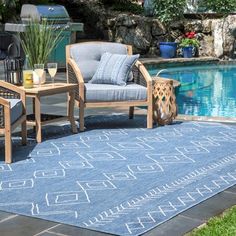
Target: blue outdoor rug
(117, 176)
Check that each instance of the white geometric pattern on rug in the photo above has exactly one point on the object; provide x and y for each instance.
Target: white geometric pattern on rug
(121, 180)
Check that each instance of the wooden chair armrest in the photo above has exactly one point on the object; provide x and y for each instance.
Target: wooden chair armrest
(144, 72)
(143, 78)
(4, 102)
(76, 70)
(8, 90)
(74, 75)
(4, 108)
(12, 88)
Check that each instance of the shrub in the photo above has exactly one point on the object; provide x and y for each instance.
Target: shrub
(169, 10)
(219, 6)
(123, 5)
(111, 2)
(8, 10)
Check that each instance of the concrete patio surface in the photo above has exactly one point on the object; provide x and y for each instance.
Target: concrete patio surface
(17, 225)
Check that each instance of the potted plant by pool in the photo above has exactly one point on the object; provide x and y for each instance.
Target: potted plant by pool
(189, 44)
(168, 49)
(167, 12)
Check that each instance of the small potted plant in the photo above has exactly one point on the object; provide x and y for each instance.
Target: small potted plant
(188, 44)
(167, 11)
(38, 41)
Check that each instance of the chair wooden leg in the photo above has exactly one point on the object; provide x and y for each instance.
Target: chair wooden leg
(8, 145)
(81, 116)
(70, 111)
(149, 117)
(24, 133)
(131, 112)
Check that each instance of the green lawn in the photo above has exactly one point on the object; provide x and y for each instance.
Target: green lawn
(224, 225)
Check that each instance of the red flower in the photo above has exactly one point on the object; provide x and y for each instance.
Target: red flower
(190, 35)
(189, 39)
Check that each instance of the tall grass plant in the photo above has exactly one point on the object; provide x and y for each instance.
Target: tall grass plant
(39, 40)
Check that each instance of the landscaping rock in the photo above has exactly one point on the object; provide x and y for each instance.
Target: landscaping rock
(158, 28)
(193, 25)
(207, 46)
(145, 33)
(206, 26)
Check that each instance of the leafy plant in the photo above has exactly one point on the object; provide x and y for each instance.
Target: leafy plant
(219, 6)
(8, 10)
(189, 40)
(39, 40)
(133, 8)
(169, 10)
(111, 2)
(123, 5)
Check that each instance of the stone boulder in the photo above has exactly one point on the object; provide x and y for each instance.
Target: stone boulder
(158, 28)
(137, 33)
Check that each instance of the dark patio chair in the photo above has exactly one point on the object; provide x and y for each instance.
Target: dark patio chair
(9, 45)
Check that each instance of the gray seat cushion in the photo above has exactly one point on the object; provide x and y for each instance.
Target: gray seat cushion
(88, 55)
(115, 93)
(16, 109)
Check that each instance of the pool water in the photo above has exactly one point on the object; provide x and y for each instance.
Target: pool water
(205, 90)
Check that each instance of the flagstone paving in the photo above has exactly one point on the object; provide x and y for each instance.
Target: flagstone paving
(16, 225)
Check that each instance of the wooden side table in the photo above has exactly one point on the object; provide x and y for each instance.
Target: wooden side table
(37, 119)
(164, 100)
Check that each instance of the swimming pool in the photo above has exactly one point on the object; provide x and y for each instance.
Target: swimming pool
(206, 90)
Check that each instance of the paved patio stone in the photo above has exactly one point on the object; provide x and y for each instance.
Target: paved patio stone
(5, 216)
(49, 234)
(211, 207)
(232, 190)
(177, 226)
(74, 231)
(24, 226)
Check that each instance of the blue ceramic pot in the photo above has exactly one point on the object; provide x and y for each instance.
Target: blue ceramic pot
(168, 49)
(188, 52)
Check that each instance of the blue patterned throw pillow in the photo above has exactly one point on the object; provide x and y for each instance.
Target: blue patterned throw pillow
(114, 69)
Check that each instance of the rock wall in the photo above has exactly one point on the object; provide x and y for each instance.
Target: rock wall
(216, 36)
(144, 33)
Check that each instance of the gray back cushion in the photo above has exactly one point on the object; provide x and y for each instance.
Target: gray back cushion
(114, 69)
(88, 55)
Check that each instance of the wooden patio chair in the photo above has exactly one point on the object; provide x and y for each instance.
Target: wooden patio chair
(82, 61)
(12, 114)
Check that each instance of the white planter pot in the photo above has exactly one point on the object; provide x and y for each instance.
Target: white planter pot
(36, 78)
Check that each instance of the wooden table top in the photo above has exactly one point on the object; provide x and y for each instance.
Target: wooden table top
(176, 83)
(49, 88)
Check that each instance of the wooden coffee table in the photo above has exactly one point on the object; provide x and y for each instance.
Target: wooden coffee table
(37, 119)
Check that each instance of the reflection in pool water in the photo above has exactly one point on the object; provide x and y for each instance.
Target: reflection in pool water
(205, 90)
